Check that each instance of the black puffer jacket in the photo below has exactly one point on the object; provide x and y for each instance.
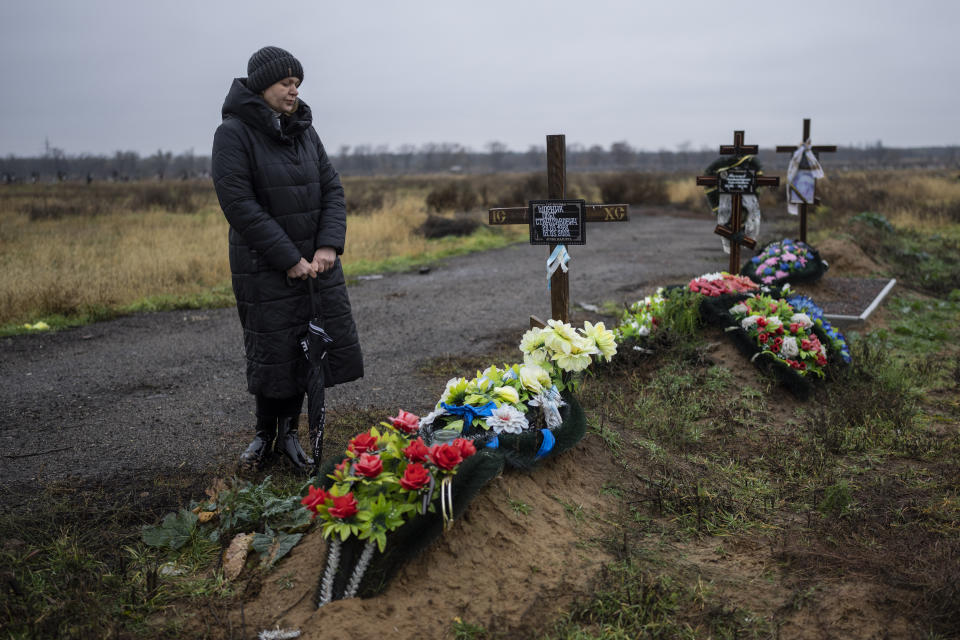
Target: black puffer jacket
(283, 200)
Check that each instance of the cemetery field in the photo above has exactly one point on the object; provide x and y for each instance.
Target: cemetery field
(76, 253)
(705, 501)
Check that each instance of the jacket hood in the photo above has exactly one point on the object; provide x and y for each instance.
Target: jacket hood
(251, 108)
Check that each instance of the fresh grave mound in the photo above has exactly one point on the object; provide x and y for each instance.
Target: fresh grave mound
(401, 487)
(510, 564)
(397, 488)
(847, 258)
(852, 292)
(783, 333)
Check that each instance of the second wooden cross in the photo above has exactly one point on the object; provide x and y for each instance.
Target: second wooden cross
(737, 183)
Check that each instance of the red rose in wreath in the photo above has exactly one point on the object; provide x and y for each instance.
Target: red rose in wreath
(363, 443)
(406, 422)
(369, 465)
(446, 456)
(415, 477)
(343, 506)
(416, 451)
(315, 498)
(467, 448)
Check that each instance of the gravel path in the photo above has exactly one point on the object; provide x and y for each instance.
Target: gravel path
(166, 391)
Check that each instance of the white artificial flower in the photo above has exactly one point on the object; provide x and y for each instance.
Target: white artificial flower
(578, 357)
(802, 319)
(573, 362)
(506, 419)
(428, 419)
(748, 322)
(773, 322)
(789, 348)
(716, 275)
(739, 309)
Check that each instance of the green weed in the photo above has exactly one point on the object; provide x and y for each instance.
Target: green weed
(463, 630)
(836, 500)
(631, 603)
(519, 507)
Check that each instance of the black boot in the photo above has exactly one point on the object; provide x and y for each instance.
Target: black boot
(288, 443)
(260, 449)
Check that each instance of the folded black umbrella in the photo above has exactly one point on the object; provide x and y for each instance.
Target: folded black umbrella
(314, 344)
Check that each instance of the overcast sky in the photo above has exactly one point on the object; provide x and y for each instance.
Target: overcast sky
(106, 75)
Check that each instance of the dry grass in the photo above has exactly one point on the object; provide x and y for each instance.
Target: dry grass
(386, 232)
(73, 251)
(685, 193)
(59, 266)
(914, 198)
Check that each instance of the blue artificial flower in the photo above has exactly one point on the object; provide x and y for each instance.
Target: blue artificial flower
(837, 340)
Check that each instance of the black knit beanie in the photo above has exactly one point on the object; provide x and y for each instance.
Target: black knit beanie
(270, 65)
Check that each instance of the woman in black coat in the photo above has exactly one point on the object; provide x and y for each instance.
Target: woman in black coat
(285, 205)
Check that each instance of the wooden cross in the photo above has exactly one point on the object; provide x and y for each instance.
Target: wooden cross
(556, 187)
(817, 150)
(734, 231)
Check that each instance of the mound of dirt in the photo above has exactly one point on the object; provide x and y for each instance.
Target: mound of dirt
(847, 258)
(523, 551)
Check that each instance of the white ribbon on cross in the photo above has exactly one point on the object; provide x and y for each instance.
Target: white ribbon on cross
(793, 169)
(559, 258)
(751, 226)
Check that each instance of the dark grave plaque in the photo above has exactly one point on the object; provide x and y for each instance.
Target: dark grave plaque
(741, 181)
(557, 222)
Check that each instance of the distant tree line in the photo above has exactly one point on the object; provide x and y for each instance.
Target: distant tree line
(447, 157)
(122, 166)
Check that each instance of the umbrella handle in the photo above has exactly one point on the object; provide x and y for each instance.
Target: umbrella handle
(316, 440)
(313, 303)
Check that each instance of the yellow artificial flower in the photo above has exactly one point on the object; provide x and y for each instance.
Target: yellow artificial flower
(533, 377)
(540, 359)
(557, 342)
(572, 361)
(602, 337)
(506, 394)
(531, 340)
